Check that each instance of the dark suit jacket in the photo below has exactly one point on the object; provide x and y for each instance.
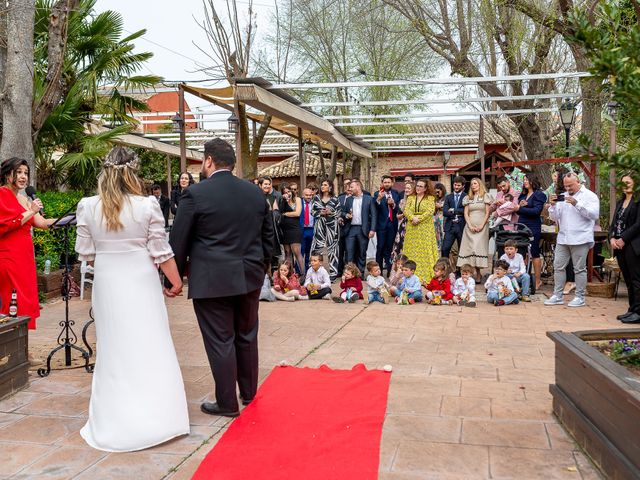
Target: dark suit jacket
(165, 206)
(631, 234)
(369, 214)
(382, 210)
(449, 203)
(342, 198)
(228, 242)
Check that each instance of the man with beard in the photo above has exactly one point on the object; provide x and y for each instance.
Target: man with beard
(386, 202)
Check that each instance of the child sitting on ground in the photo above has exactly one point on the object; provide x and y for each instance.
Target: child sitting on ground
(376, 284)
(464, 288)
(317, 281)
(499, 287)
(409, 288)
(506, 213)
(396, 270)
(286, 285)
(517, 269)
(439, 288)
(351, 285)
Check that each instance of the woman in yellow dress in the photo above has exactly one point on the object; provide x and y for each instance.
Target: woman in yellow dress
(420, 243)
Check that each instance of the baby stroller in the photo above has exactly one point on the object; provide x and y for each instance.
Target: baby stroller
(523, 236)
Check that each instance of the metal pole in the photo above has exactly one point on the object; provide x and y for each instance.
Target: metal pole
(302, 161)
(183, 126)
(612, 171)
(567, 138)
(239, 165)
(481, 152)
(168, 176)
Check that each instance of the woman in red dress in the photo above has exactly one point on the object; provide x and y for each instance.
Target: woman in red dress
(17, 260)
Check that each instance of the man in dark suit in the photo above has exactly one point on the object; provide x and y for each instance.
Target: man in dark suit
(386, 202)
(229, 246)
(359, 216)
(342, 250)
(165, 203)
(453, 212)
(306, 223)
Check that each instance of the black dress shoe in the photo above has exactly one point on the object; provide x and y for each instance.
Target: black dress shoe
(624, 315)
(633, 318)
(214, 409)
(245, 402)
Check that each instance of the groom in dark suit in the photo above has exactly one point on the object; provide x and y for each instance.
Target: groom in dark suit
(453, 212)
(229, 247)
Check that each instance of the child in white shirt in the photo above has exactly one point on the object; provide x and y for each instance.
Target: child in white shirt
(517, 271)
(464, 288)
(499, 287)
(377, 287)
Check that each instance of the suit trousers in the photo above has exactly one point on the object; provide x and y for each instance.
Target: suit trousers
(356, 244)
(454, 233)
(342, 251)
(629, 262)
(307, 240)
(385, 239)
(229, 327)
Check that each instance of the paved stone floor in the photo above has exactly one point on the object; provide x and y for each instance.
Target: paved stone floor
(469, 392)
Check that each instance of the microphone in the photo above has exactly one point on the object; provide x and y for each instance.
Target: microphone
(31, 193)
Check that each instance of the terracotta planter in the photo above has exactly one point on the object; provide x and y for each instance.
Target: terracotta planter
(52, 283)
(598, 401)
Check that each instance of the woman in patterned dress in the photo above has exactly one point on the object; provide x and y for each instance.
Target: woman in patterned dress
(326, 211)
(438, 218)
(474, 248)
(398, 243)
(420, 240)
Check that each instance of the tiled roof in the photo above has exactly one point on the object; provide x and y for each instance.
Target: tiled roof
(289, 167)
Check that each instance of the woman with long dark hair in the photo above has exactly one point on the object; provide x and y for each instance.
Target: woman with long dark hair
(17, 260)
(326, 234)
(529, 208)
(624, 238)
(290, 208)
(184, 180)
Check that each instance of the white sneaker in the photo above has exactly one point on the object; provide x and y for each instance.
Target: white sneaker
(554, 300)
(327, 297)
(576, 302)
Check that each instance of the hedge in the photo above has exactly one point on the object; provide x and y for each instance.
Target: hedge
(48, 244)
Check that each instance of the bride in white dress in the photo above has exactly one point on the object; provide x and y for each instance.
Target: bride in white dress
(137, 397)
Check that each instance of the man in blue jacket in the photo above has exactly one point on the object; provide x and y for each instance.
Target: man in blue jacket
(453, 212)
(386, 202)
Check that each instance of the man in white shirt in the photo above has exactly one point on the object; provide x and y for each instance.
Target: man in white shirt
(576, 217)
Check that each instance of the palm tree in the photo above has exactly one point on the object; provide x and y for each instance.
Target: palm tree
(97, 57)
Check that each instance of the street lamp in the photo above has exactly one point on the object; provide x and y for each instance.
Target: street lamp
(567, 114)
(177, 122)
(612, 106)
(232, 123)
(446, 156)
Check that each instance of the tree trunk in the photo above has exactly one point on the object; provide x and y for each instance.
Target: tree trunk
(17, 97)
(3, 54)
(534, 146)
(251, 168)
(334, 163)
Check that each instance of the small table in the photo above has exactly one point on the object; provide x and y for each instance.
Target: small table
(14, 362)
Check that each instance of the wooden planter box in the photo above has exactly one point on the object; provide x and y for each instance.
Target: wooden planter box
(598, 401)
(52, 283)
(14, 363)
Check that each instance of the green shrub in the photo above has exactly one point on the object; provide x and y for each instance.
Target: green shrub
(48, 244)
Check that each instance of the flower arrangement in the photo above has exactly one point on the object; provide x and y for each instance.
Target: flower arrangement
(625, 350)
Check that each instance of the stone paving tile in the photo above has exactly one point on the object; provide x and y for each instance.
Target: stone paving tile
(16, 456)
(439, 460)
(60, 464)
(39, 429)
(519, 463)
(136, 465)
(467, 407)
(19, 400)
(422, 428)
(9, 418)
(505, 433)
(59, 405)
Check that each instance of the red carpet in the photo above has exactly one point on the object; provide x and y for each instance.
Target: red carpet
(305, 424)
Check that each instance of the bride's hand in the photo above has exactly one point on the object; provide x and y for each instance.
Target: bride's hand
(176, 290)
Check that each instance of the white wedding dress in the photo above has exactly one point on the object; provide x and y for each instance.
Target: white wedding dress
(137, 396)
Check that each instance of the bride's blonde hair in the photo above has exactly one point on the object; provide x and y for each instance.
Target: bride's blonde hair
(118, 179)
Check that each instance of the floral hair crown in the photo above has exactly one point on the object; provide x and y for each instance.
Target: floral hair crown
(114, 161)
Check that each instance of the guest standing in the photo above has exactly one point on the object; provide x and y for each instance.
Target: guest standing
(17, 260)
(474, 248)
(342, 243)
(398, 243)
(290, 208)
(420, 239)
(326, 212)
(184, 181)
(359, 216)
(576, 217)
(438, 217)
(624, 238)
(504, 188)
(164, 202)
(386, 202)
(307, 222)
(529, 208)
(453, 213)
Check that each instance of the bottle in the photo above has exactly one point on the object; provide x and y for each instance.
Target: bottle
(13, 306)
(47, 267)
